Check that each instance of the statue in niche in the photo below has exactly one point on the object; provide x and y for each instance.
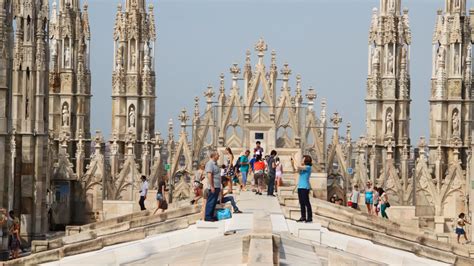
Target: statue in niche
(65, 116)
(456, 63)
(455, 121)
(54, 47)
(119, 58)
(389, 123)
(390, 63)
(457, 3)
(134, 59)
(67, 57)
(146, 49)
(440, 56)
(376, 55)
(404, 52)
(391, 5)
(131, 117)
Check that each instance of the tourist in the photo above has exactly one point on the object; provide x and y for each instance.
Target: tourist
(4, 218)
(258, 150)
(259, 174)
(376, 207)
(333, 199)
(271, 166)
(161, 202)
(355, 197)
(10, 222)
(244, 168)
(198, 186)
(230, 170)
(384, 204)
(369, 197)
(143, 193)
(214, 179)
(14, 231)
(226, 197)
(278, 174)
(339, 202)
(460, 227)
(304, 188)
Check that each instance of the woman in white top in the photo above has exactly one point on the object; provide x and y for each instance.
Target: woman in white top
(278, 173)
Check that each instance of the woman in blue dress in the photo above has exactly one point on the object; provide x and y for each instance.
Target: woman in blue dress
(304, 188)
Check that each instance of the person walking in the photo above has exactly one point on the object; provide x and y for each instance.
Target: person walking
(355, 197)
(304, 188)
(161, 202)
(461, 222)
(278, 174)
(258, 150)
(376, 207)
(259, 174)
(214, 178)
(384, 204)
(244, 168)
(271, 166)
(369, 197)
(14, 231)
(143, 193)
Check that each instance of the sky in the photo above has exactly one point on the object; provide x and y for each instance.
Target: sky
(323, 40)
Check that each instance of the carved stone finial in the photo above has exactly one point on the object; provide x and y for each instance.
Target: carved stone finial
(235, 70)
(183, 118)
(196, 107)
(311, 95)
(285, 71)
(336, 120)
(209, 93)
(261, 46)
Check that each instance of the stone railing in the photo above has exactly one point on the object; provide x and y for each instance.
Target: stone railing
(351, 222)
(95, 236)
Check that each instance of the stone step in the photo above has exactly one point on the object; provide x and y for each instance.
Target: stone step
(381, 231)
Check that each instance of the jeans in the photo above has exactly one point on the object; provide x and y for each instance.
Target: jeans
(211, 204)
(232, 202)
(305, 205)
(244, 177)
(271, 184)
(383, 207)
(142, 203)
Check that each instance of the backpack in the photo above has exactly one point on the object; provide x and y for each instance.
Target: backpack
(237, 165)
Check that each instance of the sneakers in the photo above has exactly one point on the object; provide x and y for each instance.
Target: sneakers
(237, 211)
(309, 221)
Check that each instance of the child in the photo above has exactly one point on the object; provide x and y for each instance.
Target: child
(279, 173)
(460, 227)
(355, 197)
(15, 239)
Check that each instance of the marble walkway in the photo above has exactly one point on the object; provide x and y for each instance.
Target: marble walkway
(219, 243)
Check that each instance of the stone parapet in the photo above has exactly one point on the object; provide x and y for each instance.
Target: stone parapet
(91, 237)
(381, 231)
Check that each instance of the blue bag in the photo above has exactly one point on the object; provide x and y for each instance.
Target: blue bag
(223, 214)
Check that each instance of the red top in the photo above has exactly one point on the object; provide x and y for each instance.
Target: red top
(259, 166)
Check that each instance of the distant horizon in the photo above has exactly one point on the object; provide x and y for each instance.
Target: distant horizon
(324, 41)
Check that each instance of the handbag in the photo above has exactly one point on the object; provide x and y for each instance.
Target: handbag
(387, 204)
(223, 214)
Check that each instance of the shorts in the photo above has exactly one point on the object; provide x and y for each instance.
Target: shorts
(159, 196)
(205, 193)
(354, 205)
(369, 201)
(460, 231)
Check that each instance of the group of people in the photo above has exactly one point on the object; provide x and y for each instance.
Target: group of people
(161, 203)
(13, 227)
(214, 183)
(376, 200)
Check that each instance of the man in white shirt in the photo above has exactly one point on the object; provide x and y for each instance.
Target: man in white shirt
(143, 192)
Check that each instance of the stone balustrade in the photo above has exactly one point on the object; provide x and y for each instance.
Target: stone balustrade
(354, 223)
(95, 236)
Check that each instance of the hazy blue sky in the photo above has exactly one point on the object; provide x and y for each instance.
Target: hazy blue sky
(323, 40)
